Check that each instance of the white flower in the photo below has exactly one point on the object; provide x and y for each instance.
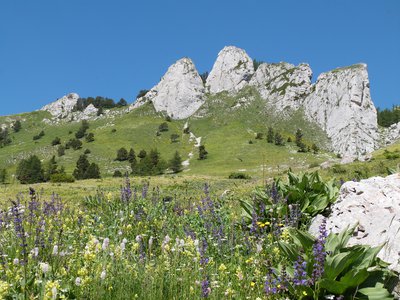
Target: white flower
(138, 238)
(106, 242)
(259, 248)
(16, 261)
(45, 267)
(55, 250)
(78, 281)
(103, 275)
(150, 241)
(35, 252)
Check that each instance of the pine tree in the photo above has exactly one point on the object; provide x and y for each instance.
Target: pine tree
(176, 163)
(270, 135)
(3, 175)
(93, 171)
(299, 137)
(278, 139)
(314, 148)
(30, 170)
(202, 152)
(56, 141)
(17, 126)
(122, 154)
(142, 154)
(61, 150)
(82, 165)
(51, 168)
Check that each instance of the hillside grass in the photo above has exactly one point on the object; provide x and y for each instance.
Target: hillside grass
(224, 127)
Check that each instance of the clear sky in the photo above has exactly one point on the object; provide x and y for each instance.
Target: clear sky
(114, 48)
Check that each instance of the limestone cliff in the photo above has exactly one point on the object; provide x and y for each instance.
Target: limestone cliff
(179, 93)
(340, 102)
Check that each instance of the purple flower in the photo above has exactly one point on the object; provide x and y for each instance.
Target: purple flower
(300, 274)
(205, 288)
(319, 252)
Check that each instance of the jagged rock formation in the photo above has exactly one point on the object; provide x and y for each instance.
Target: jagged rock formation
(62, 107)
(179, 93)
(391, 134)
(231, 71)
(341, 104)
(374, 204)
(283, 85)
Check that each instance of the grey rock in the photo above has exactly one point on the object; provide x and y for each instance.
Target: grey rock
(373, 204)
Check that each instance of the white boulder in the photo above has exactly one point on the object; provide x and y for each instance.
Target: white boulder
(373, 204)
(179, 93)
(391, 134)
(341, 104)
(231, 71)
(62, 107)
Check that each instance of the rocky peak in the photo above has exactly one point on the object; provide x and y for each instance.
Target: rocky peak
(231, 72)
(283, 85)
(341, 104)
(179, 93)
(62, 107)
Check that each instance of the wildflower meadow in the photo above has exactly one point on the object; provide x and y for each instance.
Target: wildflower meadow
(142, 244)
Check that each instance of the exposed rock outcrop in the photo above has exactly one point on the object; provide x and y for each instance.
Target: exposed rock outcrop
(231, 72)
(341, 104)
(61, 108)
(283, 85)
(391, 134)
(179, 93)
(374, 204)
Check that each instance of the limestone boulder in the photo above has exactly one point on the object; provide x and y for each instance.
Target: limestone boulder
(62, 107)
(373, 204)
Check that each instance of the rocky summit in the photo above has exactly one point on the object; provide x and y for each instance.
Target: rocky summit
(231, 72)
(339, 102)
(179, 93)
(62, 107)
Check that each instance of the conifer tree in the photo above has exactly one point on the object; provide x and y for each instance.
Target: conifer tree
(176, 163)
(270, 135)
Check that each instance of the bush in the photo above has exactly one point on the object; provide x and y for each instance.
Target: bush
(141, 93)
(87, 151)
(174, 137)
(17, 126)
(38, 136)
(3, 175)
(4, 137)
(61, 177)
(117, 173)
(85, 170)
(238, 175)
(90, 137)
(259, 136)
(122, 154)
(163, 127)
(74, 144)
(56, 141)
(176, 163)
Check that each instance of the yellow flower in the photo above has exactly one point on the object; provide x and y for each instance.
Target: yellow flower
(252, 284)
(304, 293)
(222, 268)
(4, 286)
(51, 290)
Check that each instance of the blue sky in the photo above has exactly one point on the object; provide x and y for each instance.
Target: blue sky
(49, 48)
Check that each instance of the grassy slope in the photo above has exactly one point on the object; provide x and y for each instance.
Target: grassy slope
(225, 132)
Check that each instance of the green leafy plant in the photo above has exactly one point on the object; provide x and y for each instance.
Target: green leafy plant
(354, 272)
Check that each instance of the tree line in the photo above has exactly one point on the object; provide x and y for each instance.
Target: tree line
(388, 117)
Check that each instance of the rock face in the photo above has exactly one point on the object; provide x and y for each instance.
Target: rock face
(391, 134)
(231, 71)
(283, 85)
(62, 107)
(374, 204)
(341, 104)
(179, 93)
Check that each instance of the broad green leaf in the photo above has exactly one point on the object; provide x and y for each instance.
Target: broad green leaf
(333, 286)
(301, 238)
(375, 293)
(354, 277)
(291, 251)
